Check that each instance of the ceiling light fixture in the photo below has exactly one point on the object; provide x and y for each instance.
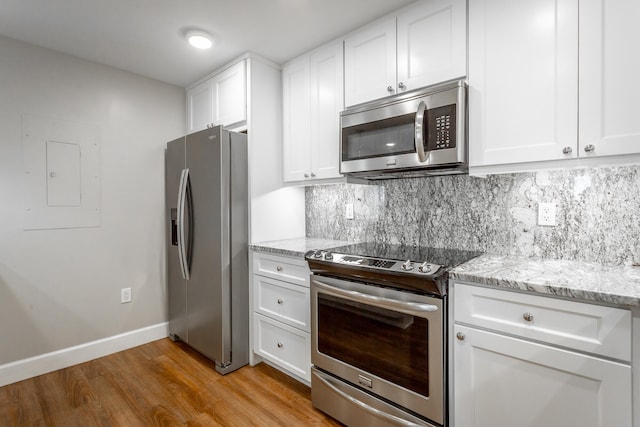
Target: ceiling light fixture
(199, 39)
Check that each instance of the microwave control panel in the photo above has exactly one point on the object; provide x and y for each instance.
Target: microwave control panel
(441, 128)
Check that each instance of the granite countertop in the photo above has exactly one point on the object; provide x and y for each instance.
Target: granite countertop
(296, 247)
(618, 285)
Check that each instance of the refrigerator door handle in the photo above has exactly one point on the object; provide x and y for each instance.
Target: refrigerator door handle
(182, 195)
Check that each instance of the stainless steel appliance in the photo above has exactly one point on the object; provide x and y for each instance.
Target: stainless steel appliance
(207, 222)
(417, 133)
(378, 330)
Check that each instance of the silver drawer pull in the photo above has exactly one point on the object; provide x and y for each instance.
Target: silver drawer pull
(528, 317)
(280, 345)
(460, 336)
(278, 268)
(589, 148)
(280, 301)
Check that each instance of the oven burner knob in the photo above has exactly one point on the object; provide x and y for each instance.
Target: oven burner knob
(424, 268)
(328, 256)
(317, 254)
(407, 265)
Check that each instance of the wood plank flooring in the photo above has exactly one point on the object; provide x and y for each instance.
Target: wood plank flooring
(159, 384)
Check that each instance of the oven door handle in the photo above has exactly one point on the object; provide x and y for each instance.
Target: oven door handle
(333, 386)
(408, 307)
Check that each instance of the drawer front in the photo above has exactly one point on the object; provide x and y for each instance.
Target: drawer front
(585, 327)
(293, 270)
(283, 345)
(282, 301)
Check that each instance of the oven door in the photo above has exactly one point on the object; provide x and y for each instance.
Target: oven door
(380, 340)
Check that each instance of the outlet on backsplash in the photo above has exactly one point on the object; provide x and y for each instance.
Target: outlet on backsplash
(547, 214)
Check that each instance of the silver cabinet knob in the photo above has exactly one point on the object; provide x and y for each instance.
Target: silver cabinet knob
(460, 336)
(306, 175)
(402, 86)
(278, 268)
(528, 317)
(567, 150)
(313, 175)
(280, 345)
(280, 301)
(390, 89)
(589, 148)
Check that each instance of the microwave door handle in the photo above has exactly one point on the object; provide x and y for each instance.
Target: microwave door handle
(420, 132)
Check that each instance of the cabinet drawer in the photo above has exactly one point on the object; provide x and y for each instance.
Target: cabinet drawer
(580, 326)
(282, 301)
(283, 345)
(293, 270)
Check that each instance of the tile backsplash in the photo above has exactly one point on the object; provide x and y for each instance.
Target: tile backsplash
(597, 217)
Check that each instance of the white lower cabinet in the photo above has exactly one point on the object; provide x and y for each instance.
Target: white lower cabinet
(510, 379)
(281, 330)
(283, 345)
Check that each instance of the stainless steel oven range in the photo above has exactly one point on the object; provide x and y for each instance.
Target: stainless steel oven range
(378, 330)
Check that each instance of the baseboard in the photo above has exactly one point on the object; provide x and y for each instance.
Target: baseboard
(48, 362)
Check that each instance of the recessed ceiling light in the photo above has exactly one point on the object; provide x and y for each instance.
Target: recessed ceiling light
(199, 39)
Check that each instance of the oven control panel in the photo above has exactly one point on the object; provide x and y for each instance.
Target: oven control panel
(407, 267)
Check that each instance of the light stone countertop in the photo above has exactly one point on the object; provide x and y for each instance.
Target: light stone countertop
(591, 282)
(296, 247)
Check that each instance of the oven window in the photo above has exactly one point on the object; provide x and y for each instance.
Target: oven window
(382, 138)
(391, 345)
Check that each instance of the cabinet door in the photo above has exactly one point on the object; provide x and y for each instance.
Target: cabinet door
(370, 63)
(523, 63)
(503, 382)
(199, 107)
(609, 68)
(230, 95)
(432, 43)
(295, 109)
(326, 97)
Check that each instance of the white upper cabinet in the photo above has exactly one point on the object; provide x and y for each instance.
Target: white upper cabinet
(326, 97)
(220, 100)
(609, 69)
(199, 107)
(523, 88)
(431, 48)
(550, 81)
(296, 120)
(370, 63)
(432, 43)
(312, 101)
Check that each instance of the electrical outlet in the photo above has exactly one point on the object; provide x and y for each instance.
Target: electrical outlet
(349, 212)
(125, 295)
(547, 214)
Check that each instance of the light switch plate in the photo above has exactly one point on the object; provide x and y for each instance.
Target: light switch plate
(349, 211)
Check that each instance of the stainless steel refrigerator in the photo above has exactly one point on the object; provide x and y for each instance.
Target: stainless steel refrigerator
(207, 219)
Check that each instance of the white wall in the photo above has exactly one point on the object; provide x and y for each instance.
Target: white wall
(60, 288)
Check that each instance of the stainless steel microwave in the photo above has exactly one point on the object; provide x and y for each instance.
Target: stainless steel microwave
(417, 133)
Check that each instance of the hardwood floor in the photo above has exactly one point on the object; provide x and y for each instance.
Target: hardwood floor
(159, 384)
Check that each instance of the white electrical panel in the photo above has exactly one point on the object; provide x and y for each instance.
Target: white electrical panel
(61, 185)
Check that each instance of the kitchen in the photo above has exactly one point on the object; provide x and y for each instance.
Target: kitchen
(60, 288)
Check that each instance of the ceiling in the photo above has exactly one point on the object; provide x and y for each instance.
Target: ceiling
(147, 36)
